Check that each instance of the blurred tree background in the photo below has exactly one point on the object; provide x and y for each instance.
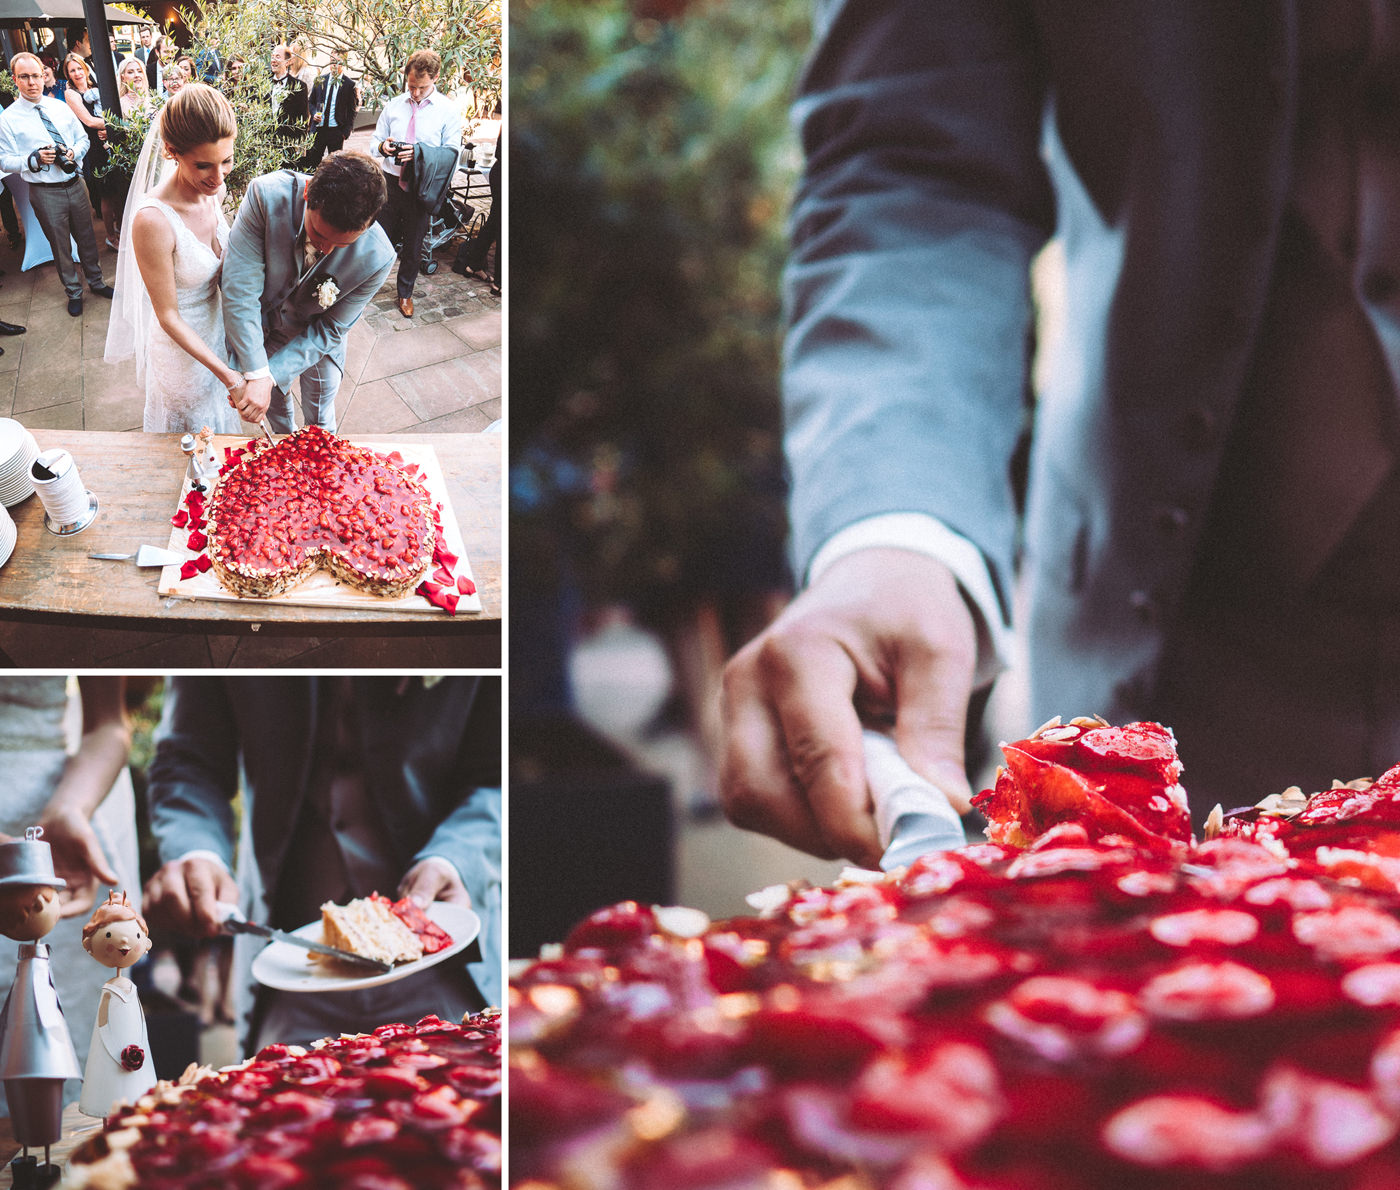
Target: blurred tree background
(651, 170)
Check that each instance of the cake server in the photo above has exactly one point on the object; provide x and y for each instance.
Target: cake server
(912, 815)
(146, 555)
(236, 926)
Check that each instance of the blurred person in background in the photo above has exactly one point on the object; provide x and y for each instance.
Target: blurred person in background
(350, 785)
(292, 104)
(132, 89)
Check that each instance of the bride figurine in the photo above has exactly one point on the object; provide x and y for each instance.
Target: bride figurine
(119, 1059)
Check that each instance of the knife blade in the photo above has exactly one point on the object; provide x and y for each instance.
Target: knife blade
(267, 433)
(146, 555)
(912, 815)
(234, 926)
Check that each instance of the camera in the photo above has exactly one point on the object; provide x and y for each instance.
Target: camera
(63, 158)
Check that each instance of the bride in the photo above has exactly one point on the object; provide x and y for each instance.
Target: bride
(167, 311)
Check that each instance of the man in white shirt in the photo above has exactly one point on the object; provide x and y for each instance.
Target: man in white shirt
(421, 115)
(42, 141)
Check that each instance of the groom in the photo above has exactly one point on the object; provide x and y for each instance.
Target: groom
(304, 258)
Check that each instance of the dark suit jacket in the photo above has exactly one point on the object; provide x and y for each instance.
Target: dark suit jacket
(293, 111)
(431, 757)
(945, 141)
(346, 102)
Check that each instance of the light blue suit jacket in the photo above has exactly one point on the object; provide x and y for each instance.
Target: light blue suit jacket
(272, 318)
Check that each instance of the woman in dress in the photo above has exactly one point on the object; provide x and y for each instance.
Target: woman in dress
(64, 745)
(167, 311)
(133, 89)
(85, 101)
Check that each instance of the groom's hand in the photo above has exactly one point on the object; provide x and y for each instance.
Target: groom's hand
(252, 399)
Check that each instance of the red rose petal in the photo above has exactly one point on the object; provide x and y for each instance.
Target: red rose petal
(190, 568)
(445, 556)
(465, 585)
(427, 589)
(410, 469)
(449, 604)
(444, 576)
(203, 562)
(180, 519)
(197, 540)
(394, 457)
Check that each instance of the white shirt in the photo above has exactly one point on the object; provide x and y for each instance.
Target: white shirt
(21, 132)
(439, 122)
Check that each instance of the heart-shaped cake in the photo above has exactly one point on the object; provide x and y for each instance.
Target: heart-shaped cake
(312, 500)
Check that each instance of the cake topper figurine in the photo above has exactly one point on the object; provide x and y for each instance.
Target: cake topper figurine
(119, 1058)
(36, 1052)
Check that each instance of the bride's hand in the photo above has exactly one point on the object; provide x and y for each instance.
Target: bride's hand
(237, 390)
(252, 399)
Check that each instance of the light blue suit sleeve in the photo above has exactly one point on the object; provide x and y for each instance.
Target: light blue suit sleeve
(470, 838)
(908, 292)
(243, 278)
(193, 776)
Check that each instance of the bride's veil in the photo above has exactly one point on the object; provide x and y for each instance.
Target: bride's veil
(128, 332)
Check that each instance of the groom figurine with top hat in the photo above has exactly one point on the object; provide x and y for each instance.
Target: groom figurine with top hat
(36, 1052)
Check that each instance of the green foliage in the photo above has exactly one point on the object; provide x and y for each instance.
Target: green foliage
(651, 167)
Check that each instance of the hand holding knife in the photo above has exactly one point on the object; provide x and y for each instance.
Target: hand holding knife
(912, 815)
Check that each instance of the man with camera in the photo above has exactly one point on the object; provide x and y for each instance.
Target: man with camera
(42, 141)
(421, 115)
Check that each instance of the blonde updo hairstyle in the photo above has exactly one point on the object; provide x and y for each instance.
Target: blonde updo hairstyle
(195, 115)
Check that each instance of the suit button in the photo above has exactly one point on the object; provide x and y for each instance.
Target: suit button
(1379, 285)
(1198, 426)
(1170, 520)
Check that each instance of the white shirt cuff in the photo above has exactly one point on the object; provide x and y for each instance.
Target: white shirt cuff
(923, 534)
(258, 374)
(203, 853)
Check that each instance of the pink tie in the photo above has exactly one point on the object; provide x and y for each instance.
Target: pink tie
(412, 136)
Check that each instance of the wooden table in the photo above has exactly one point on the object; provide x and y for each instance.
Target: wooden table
(136, 478)
(76, 1129)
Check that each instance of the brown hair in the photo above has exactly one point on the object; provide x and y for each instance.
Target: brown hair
(196, 115)
(87, 77)
(423, 62)
(347, 189)
(31, 57)
(114, 908)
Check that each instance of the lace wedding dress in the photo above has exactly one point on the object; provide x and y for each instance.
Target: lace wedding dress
(181, 393)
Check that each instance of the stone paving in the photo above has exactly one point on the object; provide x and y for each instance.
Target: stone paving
(438, 372)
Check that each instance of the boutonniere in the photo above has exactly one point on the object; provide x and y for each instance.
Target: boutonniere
(326, 293)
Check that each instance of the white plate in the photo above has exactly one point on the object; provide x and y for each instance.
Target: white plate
(288, 968)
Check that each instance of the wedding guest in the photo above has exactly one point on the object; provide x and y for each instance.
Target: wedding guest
(421, 115)
(471, 256)
(157, 62)
(233, 73)
(299, 65)
(172, 78)
(132, 89)
(44, 143)
(85, 102)
(291, 122)
(186, 63)
(207, 63)
(348, 784)
(54, 87)
(117, 56)
(144, 50)
(334, 101)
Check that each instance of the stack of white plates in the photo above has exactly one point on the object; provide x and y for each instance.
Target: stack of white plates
(18, 450)
(7, 537)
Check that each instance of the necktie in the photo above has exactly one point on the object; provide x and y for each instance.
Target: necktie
(330, 104)
(410, 137)
(48, 125)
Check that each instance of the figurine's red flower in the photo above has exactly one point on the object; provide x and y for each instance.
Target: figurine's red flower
(133, 1057)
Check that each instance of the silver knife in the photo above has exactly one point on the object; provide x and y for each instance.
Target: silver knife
(267, 433)
(234, 926)
(912, 815)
